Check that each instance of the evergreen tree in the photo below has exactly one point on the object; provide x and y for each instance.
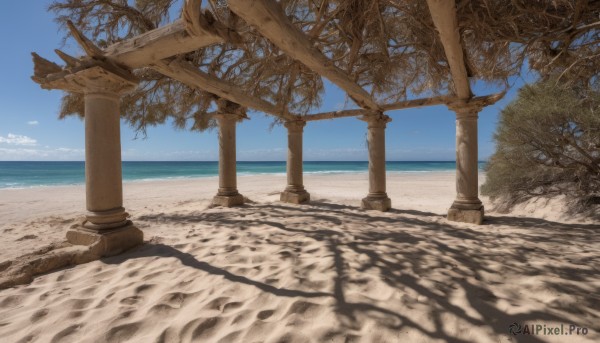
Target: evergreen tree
(548, 143)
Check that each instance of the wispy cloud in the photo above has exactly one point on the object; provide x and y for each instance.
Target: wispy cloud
(13, 139)
(33, 122)
(41, 154)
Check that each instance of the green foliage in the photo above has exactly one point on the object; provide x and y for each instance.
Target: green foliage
(548, 143)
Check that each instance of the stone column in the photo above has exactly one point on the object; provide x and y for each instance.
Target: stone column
(227, 195)
(466, 207)
(294, 192)
(377, 198)
(106, 220)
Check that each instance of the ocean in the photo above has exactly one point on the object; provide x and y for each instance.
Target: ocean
(32, 174)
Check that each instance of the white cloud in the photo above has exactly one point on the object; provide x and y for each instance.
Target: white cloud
(33, 122)
(41, 154)
(17, 140)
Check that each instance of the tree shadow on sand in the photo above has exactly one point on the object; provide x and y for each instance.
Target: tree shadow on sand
(427, 259)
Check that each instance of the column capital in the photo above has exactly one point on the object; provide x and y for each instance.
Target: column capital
(466, 109)
(229, 117)
(295, 125)
(378, 120)
(225, 106)
(95, 79)
(229, 111)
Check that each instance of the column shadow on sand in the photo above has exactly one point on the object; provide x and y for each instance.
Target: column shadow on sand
(417, 245)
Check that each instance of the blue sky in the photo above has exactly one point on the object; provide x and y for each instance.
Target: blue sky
(30, 130)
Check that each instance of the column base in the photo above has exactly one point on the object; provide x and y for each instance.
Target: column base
(295, 197)
(104, 220)
(228, 200)
(377, 203)
(107, 242)
(473, 216)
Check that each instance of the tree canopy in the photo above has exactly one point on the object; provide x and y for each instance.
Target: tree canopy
(548, 143)
(388, 47)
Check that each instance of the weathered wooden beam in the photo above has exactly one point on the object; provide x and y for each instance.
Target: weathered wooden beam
(270, 21)
(195, 30)
(487, 100)
(158, 44)
(68, 59)
(334, 114)
(191, 76)
(444, 17)
(43, 67)
(482, 101)
(199, 24)
(50, 75)
(436, 100)
(87, 45)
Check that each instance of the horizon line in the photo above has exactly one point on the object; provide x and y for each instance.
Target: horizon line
(216, 161)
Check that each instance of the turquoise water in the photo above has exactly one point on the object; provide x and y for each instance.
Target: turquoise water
(29, 174)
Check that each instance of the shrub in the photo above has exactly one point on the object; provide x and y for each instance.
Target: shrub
(547, 143)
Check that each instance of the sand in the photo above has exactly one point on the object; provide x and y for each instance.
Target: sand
(325, 272)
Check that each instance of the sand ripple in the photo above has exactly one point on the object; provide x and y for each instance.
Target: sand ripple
(322, 273)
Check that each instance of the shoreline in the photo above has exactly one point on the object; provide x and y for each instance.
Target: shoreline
(239, 174)
(54, 208)
(426, 192)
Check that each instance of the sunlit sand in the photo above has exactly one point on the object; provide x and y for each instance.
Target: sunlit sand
(324, 272)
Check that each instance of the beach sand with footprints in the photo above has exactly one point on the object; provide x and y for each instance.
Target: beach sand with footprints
(324, 272)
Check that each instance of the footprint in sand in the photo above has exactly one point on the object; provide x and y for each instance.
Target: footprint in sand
(88, 291)
(175, 299)
(231, 337)
(232, 306)
(78, 304)
(75, 314)
(27, 339)
(144, 288)
(122, 333)
(304, 308)
(11, 301)
(286, 254)
(202, 329)
(26, 237)
(232, 248)
(168, 335)
(263, 315)
(131, 300)
(43, 296)
(217, 303)
(63, 335)
(242, 317)
(292, 337)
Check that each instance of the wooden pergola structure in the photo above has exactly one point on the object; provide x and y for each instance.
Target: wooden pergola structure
(105, 75)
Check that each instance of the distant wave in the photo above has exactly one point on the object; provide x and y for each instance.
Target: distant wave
(17, 175)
